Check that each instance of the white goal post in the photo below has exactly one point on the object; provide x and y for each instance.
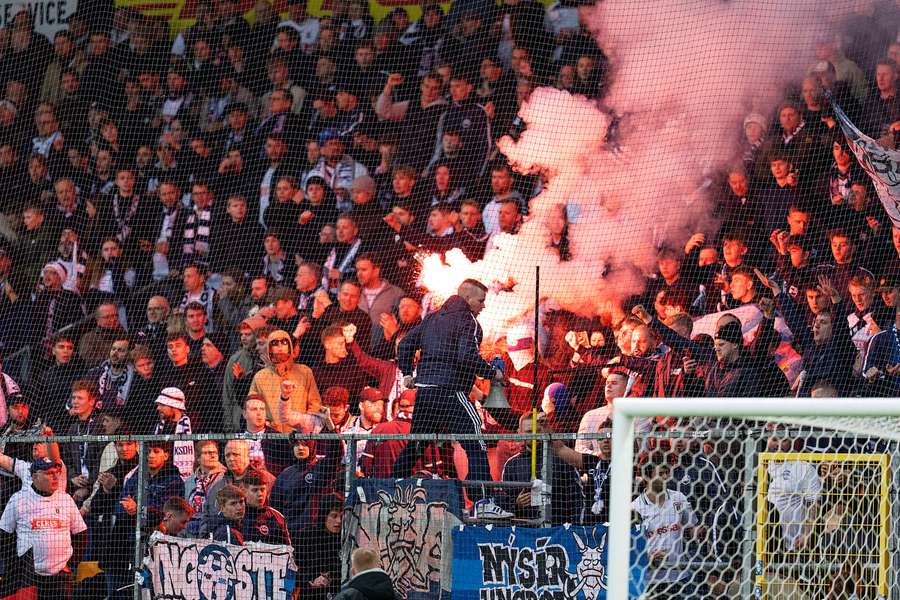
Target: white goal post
(870, 416)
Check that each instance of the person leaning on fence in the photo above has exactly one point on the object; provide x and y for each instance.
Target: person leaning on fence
(225, 526)
(177, 513)
(299, 487)
(50, 534)
(449, 341)
(237, 462)
(368, 581)
(261, 522)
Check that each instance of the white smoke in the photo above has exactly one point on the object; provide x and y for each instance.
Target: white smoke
(683, 76)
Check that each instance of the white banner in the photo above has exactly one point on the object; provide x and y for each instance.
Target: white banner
(49, 15)
(189, 569)
(882, 164)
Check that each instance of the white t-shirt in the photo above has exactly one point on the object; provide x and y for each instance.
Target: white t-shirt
(596, 419)
(663, 526)
(44, 525)
(794, 486)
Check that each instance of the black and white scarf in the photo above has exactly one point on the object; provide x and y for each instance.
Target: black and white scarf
(113, 389)
(124, 216)
(197, 229)
(341, 257)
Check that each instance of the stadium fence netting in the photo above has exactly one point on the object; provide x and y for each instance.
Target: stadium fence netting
(286, 286)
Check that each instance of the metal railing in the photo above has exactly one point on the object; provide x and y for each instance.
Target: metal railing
(749, 443)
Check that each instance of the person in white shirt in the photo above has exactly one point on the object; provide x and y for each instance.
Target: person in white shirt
(794, 491)
(305, 25)
(502, 187)
(618, 384)
(50, 534)
(667, 522)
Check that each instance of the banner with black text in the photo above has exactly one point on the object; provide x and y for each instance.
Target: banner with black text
(553, 563)
(187, 569)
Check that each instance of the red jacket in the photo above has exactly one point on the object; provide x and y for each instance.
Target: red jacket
(379, 456)
(521, 384)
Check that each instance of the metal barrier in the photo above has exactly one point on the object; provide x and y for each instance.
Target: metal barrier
(747, 450)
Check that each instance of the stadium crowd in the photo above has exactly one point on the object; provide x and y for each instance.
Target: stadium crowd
(221, 232)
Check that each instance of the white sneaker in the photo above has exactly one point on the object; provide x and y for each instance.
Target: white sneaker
(488, 510)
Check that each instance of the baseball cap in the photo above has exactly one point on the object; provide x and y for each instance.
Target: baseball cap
(171, 396)
(327, 135)
(757, 118)
(889, 281)
(730, 332)
(44, 464)
(370, 394)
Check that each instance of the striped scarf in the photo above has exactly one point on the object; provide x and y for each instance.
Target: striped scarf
(197, 229)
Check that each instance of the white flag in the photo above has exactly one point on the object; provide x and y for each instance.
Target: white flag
(882, 164)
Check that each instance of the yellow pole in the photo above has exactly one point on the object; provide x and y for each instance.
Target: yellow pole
(537, 355)
(534, 441)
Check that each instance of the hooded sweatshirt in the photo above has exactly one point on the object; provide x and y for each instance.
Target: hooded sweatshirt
(267, 383)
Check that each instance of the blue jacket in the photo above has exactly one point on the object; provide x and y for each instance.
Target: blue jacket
(450, 341)
(566, 496)
(167, 483)
(297, 487)
(883, 351)
(831, 361)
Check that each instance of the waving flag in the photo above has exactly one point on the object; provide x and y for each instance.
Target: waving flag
(882, 164)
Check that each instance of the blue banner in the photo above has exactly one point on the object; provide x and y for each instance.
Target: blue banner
(555, 563)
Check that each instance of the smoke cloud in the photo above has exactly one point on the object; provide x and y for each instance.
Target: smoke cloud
(684, 75)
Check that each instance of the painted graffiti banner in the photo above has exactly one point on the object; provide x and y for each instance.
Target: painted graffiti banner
(186, 569)
(554, 563)
(406, 523)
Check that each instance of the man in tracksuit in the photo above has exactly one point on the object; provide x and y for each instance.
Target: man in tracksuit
(449, 341)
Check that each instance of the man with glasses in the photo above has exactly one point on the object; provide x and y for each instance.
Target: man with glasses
(284, 380)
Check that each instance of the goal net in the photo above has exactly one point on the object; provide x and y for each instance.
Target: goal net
(739, 500)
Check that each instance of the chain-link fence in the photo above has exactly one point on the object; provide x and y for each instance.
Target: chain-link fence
(721, 510)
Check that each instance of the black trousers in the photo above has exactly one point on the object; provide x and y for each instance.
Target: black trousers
(49, 587)
(439, 410)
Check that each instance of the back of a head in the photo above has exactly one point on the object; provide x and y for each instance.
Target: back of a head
(467, 287)
(364, 559)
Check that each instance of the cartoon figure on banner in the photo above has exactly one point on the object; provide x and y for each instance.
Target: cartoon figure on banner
(591, 569)
(406, 531)
(216, 575)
